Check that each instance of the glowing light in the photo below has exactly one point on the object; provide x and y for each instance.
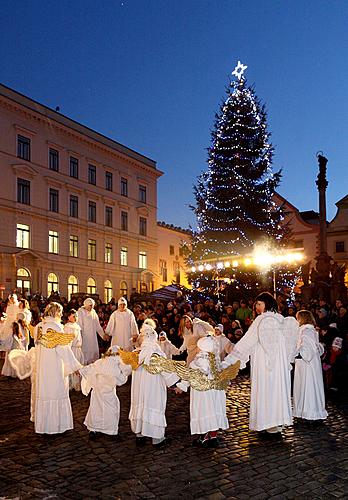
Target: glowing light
(247, 262)
(239, 70)
(201, 268)
(208, 267)
(227, 264)
(220, 265)
(235, 263)
(193, 269)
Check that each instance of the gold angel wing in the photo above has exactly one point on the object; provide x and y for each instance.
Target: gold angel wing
(229, 373)
(52, 338)
(129, 358)
(39, 333)
(160, 363)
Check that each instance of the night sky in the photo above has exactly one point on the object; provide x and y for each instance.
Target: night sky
(151, 74)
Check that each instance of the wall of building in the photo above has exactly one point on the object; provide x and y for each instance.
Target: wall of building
(171, 254)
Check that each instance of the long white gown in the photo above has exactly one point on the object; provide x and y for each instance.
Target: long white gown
(102, 377)
(90, 326)
(12, 311)
(207, 408)
(122, 326)
(191, 337)
(309, 396)
(50, 369)
(76, 347)
(149, 398)
(267, 345)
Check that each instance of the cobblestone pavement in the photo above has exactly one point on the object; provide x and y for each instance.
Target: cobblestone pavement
(308, 463)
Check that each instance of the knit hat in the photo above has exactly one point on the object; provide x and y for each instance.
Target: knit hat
(122, 300)
(89, 302)
(207, 344)
(220, 328)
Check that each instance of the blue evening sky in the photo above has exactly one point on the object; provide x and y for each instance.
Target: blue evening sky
(151, 74)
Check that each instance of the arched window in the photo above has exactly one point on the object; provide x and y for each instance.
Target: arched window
(52, 283)
(107, 291)
(91, 286)
(143, 287)
(123, 288)
(73, 286)
(23, 280)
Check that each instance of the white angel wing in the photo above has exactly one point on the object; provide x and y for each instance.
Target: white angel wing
(291, 332)
(270, 334)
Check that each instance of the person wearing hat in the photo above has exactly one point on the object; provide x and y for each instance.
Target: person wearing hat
(269, 344)
(208, 407)
(101, 378)
(166, 345)
(72, 327)
(89, 323)
(224, 345)
(149, 392)
(122, 326)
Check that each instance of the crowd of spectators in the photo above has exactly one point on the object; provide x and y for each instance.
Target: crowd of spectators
(331, 319)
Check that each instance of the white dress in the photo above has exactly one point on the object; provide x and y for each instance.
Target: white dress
(7, 369)
(122, 326)
(149, 398)
(12, 311)
(51, 408)
(90, 326)
(76, 347)
(104, 409)
(267, 345)
(309, 396)
(207, 408)
(168, 348)
(224, 345)
(191, 337)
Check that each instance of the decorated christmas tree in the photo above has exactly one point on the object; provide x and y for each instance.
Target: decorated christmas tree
(234, 206)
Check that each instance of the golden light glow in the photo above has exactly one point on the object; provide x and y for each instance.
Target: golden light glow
(235, 263)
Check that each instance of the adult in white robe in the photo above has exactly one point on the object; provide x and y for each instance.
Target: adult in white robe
(102, 377)
(51, 363)
(192, 331)
(90, 326)
(308, 394)
(12, 311)
(149, 393)
(266, 344)
(122, 326)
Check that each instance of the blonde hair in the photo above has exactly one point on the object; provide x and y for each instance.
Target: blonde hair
(182, 325)
(305, 317)
(54, 310)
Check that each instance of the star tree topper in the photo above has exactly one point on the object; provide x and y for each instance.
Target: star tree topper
(239, 70)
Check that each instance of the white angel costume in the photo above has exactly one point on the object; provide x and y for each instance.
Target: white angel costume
(199, 329)
(167, 346)
(76, 347)
(207, 408)
(122, 326)
(309, 396)
(269, 343)
(90, 326)
(102, 377)
(12, 311)
(149, 391)
(224, 345)
(50, 364)
(7, 369)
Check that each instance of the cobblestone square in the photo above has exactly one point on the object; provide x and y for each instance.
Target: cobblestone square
(308, 463)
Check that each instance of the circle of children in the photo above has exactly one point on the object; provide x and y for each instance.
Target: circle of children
(206, 339)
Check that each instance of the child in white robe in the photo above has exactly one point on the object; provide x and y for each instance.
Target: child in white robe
(149, 392)
(102, 377)
(50, 363)
(76, 346)
(166, 346)
(17, 343)
(224, 344)
(207, 408)
(309, 396)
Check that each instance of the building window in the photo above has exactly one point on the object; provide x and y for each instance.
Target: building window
(53, 160)
(124, 256)
(92, 250)
(339, 246)
(297, 244)
(52, 284)
(74, 246)
(54, 200)
(108, 253)
(23, 191)
(108, 181)
(74, 206)
(142, 226)
(23, 236)
(171, 249)
(92, 211)
(23, 147)
(23, 281)
(124, 220)
(123, 289)
(142, 194)
(163, 269)
(176, 268)
(74, 167)
(53, 241)
(73, 286)
(108, 216)
(142, 260)
(92, 174)
(91, 286)
(107, 291)
(124, 186)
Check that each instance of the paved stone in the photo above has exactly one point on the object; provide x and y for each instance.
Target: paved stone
(309, 462)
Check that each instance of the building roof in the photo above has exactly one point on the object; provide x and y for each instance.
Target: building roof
(174, 228)
(49, 113)
(310, 216)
